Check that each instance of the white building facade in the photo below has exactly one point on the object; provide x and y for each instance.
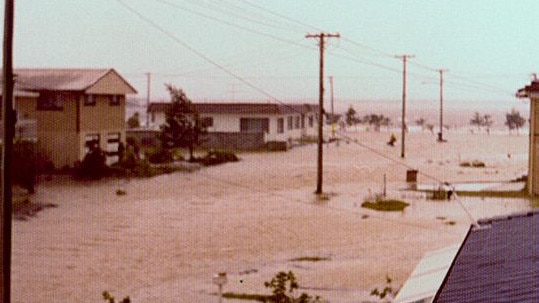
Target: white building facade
(240, 124)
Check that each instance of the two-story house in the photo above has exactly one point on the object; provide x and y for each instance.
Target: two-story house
(73, 108)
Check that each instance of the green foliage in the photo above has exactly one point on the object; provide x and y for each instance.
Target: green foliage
(385, 205)
(477, 120)
(514, 121)
(182, 127)
(159, 156)
(421, 122)
(474, 163)
(219, 157)
(110, 299)
(134, 121)
(93, 166)
(283, 286)
(387, 291)
(25, 162)
(248, 297)
(351, 116)
(377, 121)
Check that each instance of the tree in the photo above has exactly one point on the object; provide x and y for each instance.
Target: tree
(134, 121)
(351, 117)
(182, 127)
(477, 120)
(487, 122)
(513, 120)
(377, 121)
(421, 122)
(283, 286)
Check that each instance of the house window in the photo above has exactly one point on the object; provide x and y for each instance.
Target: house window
(206, 121)
(311, 121)
(280, 125)
(302, 121)
(254, 125)
(114, 100)
(91, 142)
(297, 122)
(290, 123)
(50, 101)
(89, 100)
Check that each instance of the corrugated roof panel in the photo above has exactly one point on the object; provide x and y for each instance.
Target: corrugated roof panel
(497, 264)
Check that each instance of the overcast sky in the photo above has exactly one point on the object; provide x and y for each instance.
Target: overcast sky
(234, 50)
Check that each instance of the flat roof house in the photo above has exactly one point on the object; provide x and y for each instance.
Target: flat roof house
(249, 125)
(73, 108)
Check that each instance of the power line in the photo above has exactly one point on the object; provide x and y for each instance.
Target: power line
(230, 23)
(472, 219)
(199, 54)
(296, 200)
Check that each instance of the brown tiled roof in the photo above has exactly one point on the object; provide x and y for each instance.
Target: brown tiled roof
(61, 79)
(242, 108)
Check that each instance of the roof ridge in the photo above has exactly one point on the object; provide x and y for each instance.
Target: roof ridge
(522, 214)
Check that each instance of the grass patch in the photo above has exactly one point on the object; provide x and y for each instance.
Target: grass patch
(474, 163)
(310, 259)
(386, 205)
(247, 297)
(494, 194)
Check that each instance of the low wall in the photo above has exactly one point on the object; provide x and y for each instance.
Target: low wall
(234, 141)
(215, 140)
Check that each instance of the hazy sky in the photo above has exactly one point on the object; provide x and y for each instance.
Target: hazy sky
(256, 50)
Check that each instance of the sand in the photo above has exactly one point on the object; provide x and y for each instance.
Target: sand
(164, 240)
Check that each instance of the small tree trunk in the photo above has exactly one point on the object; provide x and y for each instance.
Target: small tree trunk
(191, 150)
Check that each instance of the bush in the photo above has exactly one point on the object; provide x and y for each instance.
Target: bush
(93, 166)
(219, 157)
(26, 163)
(386, 205)
(159, 156)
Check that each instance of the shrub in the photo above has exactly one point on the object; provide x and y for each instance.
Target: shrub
(159, 156)
(26, 163)
(219, 157)
(386, 205)
(93, 166)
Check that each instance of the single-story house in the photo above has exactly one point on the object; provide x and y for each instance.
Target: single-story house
(532, 92)
(73, 108)
(249, 125)
(497, 262)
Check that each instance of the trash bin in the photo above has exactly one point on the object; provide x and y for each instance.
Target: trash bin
(411, 175)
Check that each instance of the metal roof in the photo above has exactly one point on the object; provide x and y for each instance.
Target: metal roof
(60, 79)
(498, 262)
(242, 108)
(427, 276)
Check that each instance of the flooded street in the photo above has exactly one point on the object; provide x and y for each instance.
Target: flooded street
(165, 239)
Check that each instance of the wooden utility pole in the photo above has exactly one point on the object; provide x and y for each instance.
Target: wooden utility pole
(7, 149)
(404, 58)
(321, 38)
(149, 83)
(332, 108)
(440, 134)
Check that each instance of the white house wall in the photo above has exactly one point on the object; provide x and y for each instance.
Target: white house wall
(231, 123)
